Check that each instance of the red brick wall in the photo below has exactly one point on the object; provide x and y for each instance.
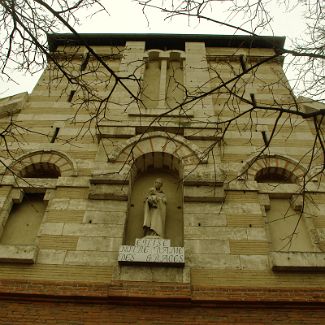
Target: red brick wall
(73, 313)
(85, 303)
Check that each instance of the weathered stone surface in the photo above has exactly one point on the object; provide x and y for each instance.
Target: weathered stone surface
(256, 234)
(199, 207)
(202, 134)
(254, 262)
(105, 217)
(99, 244)
(151, 250)
(278, 190)
(73, 181)
(91, 230)
(103, 205)
(203, 194)
(205, 219)
(54, 228)
(116, 132)
(202, 246)
(297, 261)
(220, 261)
(108, 192)
(90, 258)
(58, 204)
(18, 254)
(219, 233)
(51, 256)
(13, 104)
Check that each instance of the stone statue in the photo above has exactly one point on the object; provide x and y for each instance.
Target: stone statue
(155, 211)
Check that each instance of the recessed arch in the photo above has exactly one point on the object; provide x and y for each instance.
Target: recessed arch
(275, 174)
(278, 167)
(41, 170)
(53, 162)
(167, 143)
(144, 171)
(154, 54)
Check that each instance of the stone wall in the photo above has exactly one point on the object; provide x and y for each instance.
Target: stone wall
(223, 214)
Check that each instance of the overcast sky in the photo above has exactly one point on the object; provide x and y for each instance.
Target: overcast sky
(125, 16)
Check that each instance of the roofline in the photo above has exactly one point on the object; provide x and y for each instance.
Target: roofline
(119, 39)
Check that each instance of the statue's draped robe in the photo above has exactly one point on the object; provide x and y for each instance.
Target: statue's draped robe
(154, 218)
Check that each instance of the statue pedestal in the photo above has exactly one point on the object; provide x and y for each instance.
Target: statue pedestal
(151, 250)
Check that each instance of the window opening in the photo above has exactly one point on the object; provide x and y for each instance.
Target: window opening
(243, 62)
(72, 93)
(41, 170)
(85, 62)
(24, 220)
(265, 138)
(275, 175)
(55, 134)
(253, 99)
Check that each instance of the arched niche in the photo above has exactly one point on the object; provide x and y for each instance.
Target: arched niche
(145, 170)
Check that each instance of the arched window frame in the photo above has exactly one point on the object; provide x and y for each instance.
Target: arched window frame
(16, 184)
(285, 261)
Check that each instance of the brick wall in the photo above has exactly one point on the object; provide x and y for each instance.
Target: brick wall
(76, 313)
(78, 303)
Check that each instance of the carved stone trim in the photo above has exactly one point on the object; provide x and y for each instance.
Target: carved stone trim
(256, 163)
(175, 145)
(61, 160)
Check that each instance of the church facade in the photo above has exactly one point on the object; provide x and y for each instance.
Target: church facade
(161, 179)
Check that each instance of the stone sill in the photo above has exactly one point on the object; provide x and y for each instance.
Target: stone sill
(297, 261)
(25, 254)
(276, 190)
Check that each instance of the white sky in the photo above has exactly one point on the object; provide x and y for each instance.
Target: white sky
(125, 16)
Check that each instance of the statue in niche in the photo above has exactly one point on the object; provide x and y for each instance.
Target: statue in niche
(155, 211)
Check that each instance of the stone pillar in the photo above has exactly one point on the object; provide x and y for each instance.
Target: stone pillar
(132, 67)
(197, 79)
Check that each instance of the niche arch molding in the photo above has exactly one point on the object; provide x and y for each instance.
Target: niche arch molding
(151, 142)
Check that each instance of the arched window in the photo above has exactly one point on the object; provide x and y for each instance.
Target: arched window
(43, 164)
(275, 175)
(40, 170)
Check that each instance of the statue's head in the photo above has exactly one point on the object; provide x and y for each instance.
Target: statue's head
(158, 183)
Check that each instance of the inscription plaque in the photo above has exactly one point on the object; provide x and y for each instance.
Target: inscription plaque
(151, 249)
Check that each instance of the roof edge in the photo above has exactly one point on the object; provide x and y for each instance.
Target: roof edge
(119, 39)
